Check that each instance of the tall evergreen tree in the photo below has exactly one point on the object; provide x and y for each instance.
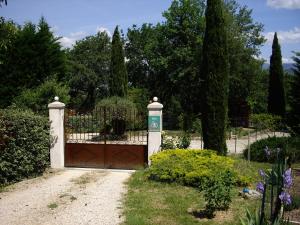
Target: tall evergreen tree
(276, 98)
(29, 57)
(215, 72)
(119, 78)
(295, 96)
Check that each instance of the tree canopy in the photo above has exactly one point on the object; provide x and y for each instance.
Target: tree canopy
(89, 66)
(29, 55)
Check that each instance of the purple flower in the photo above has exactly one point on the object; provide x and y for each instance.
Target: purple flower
(262, 173)
(260, 187)
(267, 151)
(285, 198)
(287, 178)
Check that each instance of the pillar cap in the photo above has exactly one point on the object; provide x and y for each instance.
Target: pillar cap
(56, 104)
(155, 105)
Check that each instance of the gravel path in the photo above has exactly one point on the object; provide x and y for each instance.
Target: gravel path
(73, 197)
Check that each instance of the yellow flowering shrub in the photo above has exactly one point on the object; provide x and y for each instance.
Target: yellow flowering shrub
(190, 167)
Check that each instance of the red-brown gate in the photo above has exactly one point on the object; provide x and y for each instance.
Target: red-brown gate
(106, 138)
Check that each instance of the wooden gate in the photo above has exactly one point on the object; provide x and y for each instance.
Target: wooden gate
(106, 138)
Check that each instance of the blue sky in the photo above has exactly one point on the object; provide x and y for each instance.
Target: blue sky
(73, 20)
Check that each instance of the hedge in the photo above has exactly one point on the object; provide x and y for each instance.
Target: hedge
(290, 146)
(24, 145)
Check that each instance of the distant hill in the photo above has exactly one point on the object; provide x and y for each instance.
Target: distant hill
(286, 67)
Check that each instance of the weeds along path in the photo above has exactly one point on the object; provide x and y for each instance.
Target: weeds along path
(69, 197)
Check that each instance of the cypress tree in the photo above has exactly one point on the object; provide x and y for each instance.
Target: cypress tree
(119, 79)
(276, 98)
(215, 72)
(295, 96)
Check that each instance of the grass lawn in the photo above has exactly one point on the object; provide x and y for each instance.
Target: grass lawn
(150, 202)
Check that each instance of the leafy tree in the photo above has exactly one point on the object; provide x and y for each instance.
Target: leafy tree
(119, 78)
(276, 98)
(164, 58)
(295, 96)
(215, 72)
(244, 40)
(89, 70)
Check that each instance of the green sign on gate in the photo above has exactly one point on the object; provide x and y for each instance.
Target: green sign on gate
(154, 123)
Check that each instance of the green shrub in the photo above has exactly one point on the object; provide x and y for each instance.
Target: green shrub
(121, 114)
(24, 144)
(217, 193)
(289, 145)
(265, 121)
(37, 99)
(184, 141)
(189, 167)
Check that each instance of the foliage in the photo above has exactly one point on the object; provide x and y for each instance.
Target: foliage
(244, 41)
(184, 141)
(37, 99)
(215, 72)
(88, 74)
(258, 99)
(118, 82)
(266, 122)
(168, 142)
(217, 193)
(32, 56)
(294, 97)
(290, 145)
(181, 142)
(189, 167)
(24, 149)
(276, 98)
(140, 97)
(164, 58)
(121, 113)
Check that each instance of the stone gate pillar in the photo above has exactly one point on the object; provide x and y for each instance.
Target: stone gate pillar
(154, 127)
(57, 147)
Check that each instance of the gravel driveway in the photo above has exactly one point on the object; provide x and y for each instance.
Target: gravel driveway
(69, 197)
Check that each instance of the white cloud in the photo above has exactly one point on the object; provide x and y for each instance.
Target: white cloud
(286, 4)
(291, 36)
(103, 29)
(69, 41)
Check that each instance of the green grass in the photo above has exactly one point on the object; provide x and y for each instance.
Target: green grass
(154, 203)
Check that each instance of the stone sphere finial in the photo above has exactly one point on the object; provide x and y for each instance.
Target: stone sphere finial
(56, 98)
(155, 99)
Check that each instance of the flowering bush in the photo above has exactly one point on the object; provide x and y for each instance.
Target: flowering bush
(181, 142)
